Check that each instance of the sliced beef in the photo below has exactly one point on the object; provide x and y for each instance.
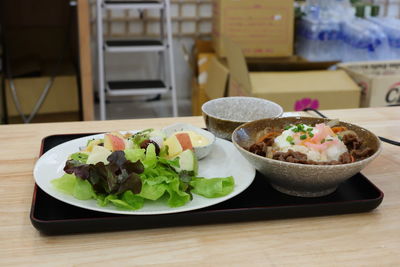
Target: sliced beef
(351, 141)
(291, 156)
(264, 144)
(269, 138)
(360, 154)
(259, 149)
(298, 157)
(345, 158)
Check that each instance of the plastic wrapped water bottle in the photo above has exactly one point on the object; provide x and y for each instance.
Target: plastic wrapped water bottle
(391, 27)
(319, 40)
(363, 41)
(319, 32)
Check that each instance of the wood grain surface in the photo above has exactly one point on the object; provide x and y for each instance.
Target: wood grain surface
(365, 239)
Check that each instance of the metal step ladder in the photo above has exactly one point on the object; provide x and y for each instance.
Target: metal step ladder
(162, 46)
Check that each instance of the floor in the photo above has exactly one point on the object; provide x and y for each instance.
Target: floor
(136, 108)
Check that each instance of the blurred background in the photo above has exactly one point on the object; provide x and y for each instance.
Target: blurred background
(331, 54)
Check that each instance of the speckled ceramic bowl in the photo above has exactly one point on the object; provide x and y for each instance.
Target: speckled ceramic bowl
(294, 178)
(223, 115)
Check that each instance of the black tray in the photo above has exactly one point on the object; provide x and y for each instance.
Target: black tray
(258, 202)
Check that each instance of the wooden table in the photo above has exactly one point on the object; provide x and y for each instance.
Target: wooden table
(371, 238)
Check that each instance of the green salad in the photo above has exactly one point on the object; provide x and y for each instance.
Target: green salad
(129, 170)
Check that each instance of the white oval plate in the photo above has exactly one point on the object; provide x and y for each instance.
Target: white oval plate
(223, 161)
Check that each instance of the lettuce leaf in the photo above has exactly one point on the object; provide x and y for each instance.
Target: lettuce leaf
(103, 200)
(81, 157)
(177, 197)
(134, 154)
(69, 184)
(152, 191)
(116, 177)
(83, 190)
(135, 175)
(150, 159)
(65, 184)
(160, 178)
(139, 137)
(127, 201)
(214, 187)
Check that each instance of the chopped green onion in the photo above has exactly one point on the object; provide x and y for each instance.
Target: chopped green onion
(340, 138)
(287, 127)
(302, 137)
(309, 129)
(295, 130)
(290, 140)
(311, 134)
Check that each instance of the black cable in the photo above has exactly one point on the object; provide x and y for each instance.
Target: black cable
(316, 111)
(389, 141)
(383, 139)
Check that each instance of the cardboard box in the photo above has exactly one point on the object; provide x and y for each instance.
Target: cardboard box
(203, 63)
(218, 78)
(263, 28)
(201, 49)
(293, 90)
(62, 96)
(199, 97)
(212, 74)
(379, 81)
(217, 81)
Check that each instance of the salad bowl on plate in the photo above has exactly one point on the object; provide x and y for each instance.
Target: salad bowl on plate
(207, 139)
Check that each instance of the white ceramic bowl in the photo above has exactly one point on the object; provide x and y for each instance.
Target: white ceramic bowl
(200, 151)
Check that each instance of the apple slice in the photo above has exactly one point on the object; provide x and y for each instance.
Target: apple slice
(99, 154)
(184, 140)
(113, 142)
(187, 163)
(178, 143)
(174, 147)
(93, 143)
(118, 134)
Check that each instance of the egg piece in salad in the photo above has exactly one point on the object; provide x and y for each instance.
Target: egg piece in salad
(319, 143)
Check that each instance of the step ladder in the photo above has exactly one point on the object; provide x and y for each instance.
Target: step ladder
(162, 46)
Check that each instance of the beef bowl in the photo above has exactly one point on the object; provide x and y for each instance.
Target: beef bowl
(304, 156)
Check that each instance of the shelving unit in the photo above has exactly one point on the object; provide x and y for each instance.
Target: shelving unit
(161, 45)
(190, 19)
